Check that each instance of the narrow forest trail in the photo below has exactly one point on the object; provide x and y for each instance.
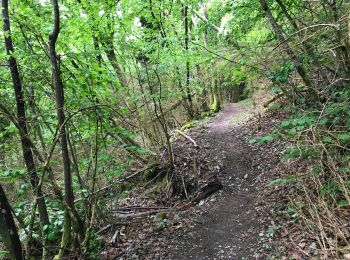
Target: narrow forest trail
(230, 227)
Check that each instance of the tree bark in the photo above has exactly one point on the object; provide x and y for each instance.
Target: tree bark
(8, 230)
(37, 127)
(21, 117)
(59, 96)
(278, 32)
(343, 50)
(112, 57)
(308, 48)
(71, 219)
(187, 89)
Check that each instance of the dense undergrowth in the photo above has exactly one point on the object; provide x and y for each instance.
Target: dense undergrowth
(317, 129)
(318, 186)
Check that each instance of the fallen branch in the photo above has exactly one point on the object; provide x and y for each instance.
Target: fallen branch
(187, 137)
(140, 208)
(274, 99)
(138, 215)
(114, 238)
(283, 94)
(104, 229)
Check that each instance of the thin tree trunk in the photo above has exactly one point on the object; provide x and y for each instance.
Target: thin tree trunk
(204, 94)
(286, 13)
(187, 89)
(112, 57)
(203, 18)
(75, 162)
(278, 31)
(72, 221)
(308, 48)
(60, 106)
(343, 50)
(21, 117)
(160, 117)
(31, 103)
(348, 36)
(205, 32)
(99, 58)
(8, 230)
(158, 21)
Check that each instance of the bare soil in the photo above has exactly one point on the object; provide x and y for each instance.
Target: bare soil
(228, 226)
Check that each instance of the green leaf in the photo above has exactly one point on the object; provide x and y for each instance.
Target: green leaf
(265, 139)
(327, 139)
(323, 121)
(342, 203)
(45, 227)
(252, 141)
(292, 152)
(315, 171)
(282, 181)
(286, 123)
(51, 236)
(344, 136)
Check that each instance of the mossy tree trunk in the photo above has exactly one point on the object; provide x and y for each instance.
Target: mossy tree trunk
(215, 106)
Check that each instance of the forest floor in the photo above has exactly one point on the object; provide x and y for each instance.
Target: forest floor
(230, 227)
(233, 223)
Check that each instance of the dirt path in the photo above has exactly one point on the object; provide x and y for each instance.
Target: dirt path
(230, 227)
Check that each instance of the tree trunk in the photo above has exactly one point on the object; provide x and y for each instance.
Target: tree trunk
(308, 48)
(204, 93)
(31, 103)
(72, 221)
(21, 117)
(112, 57)
(8, 230)
(187, 88)
(278, 31)
(75, 162)
(343, 50)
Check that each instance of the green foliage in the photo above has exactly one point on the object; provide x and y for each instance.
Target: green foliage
(272, 231)
(3, 254)
(331, 188)
(50, 232)
(190, 124)
(283, 181)
(239, 74)
(342, 203)
(263, 139)
(161, 220)
(12, 175)
(281, 74)
(95, 246)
